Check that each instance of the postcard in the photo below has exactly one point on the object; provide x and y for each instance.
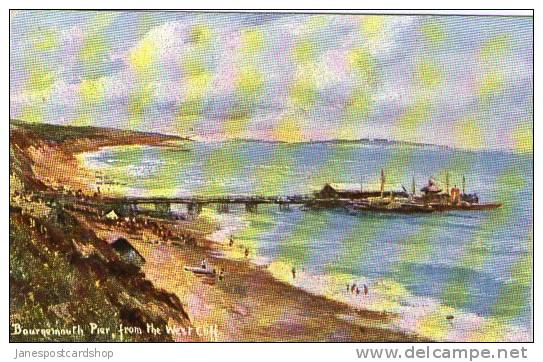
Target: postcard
(201, 176)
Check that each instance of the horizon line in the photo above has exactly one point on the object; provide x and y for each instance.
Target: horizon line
(203, 139)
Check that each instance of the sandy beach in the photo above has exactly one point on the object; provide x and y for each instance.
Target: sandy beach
(247, 304)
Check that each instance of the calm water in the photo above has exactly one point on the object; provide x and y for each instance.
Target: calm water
(478, 262)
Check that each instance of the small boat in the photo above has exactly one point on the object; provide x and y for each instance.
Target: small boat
(394, 207)
(198, 270)
(466, 206)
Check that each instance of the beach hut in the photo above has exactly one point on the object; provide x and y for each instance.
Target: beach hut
(127, 252)
(112, 215)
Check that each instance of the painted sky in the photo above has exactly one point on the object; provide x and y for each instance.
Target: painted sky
(458, 81)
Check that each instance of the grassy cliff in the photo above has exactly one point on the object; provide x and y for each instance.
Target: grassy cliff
(61, 273)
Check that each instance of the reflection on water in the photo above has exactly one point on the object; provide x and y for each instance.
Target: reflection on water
(472, 265)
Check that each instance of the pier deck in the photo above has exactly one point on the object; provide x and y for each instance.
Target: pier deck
(194, 204)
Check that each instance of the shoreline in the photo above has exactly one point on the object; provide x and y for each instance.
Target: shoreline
(411, 311)
(404, 319)
(250, 304)
(423, 316)
(414, 317)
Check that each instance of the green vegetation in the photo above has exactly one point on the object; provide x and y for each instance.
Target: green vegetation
(61, 274)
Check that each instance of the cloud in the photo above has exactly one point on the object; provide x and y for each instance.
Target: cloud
(311, 68)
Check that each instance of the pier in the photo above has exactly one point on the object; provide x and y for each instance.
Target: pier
(332, 195)
(193, 204)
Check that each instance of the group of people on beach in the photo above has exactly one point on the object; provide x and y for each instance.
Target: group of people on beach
(231, 244)
(353, 288)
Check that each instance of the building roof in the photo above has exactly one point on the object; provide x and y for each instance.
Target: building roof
(431, 188)
(346, 187)
(121, 243)
(122, 246)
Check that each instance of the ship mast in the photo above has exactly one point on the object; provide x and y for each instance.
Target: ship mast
(382, 183)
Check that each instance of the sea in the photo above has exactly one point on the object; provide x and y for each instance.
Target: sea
(451, 276)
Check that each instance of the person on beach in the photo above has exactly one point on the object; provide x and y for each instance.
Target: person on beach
(293, 273)
(353, 287)
(231, 241)
(246, 252)
(357, 291)
(204, 264)
(366, 291)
